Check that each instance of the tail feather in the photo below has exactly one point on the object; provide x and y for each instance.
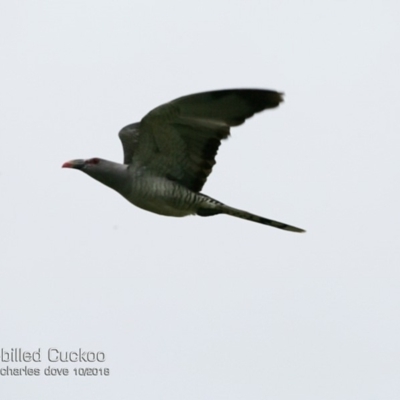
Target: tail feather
(220, 208)
(261, 220)
(210, 206)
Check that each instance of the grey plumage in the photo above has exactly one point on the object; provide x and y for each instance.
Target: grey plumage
(169, 154)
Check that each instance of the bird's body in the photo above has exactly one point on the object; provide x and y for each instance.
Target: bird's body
(169, 154)
(162, 196)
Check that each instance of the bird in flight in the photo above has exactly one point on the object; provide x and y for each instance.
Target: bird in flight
(170, 153)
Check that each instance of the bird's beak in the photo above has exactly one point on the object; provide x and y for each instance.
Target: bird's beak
(77, 164)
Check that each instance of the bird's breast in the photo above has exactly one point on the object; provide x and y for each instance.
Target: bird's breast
(162, 196)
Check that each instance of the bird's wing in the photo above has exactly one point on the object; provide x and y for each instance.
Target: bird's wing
(129, 136)
(180, 139)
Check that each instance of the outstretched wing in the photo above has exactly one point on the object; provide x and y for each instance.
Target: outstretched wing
(180, 139)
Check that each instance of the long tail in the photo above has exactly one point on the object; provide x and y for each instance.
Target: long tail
(220, 208)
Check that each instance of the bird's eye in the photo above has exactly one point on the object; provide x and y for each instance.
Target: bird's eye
(93, 161)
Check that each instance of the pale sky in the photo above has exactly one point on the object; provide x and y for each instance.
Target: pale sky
(204, 308)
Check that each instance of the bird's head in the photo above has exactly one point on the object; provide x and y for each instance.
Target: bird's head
(107, 172)
(84, 165)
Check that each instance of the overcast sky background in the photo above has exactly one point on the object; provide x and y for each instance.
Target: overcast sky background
(204, 308)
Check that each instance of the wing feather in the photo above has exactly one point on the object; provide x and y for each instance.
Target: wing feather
(129, 136)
